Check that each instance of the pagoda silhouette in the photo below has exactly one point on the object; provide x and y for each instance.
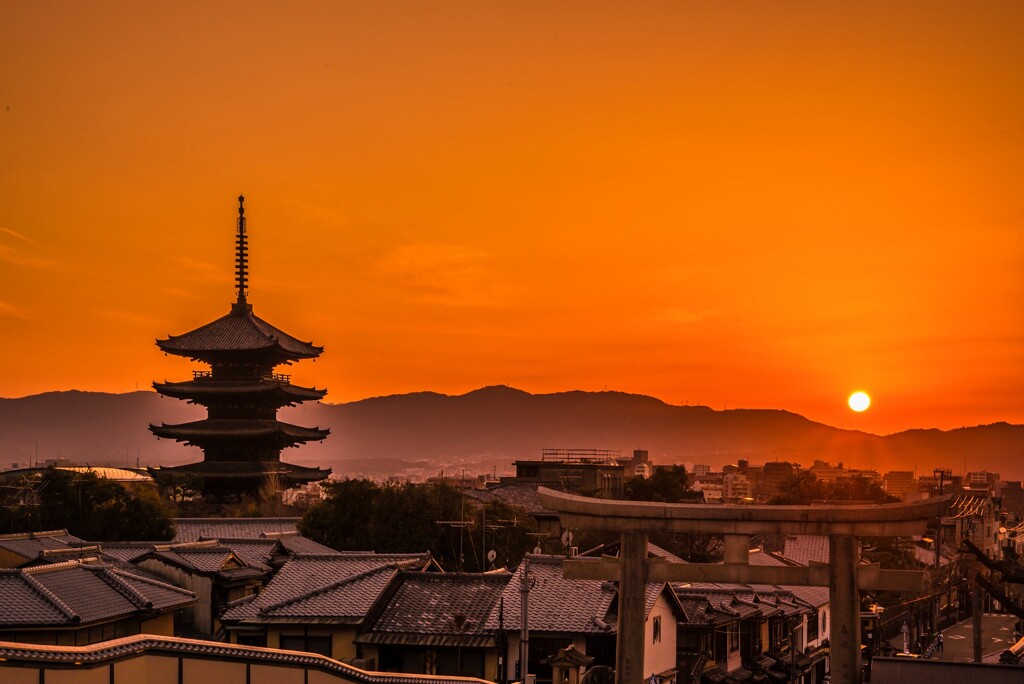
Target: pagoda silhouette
(241, 437)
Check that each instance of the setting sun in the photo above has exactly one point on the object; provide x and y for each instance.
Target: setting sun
(859, 401)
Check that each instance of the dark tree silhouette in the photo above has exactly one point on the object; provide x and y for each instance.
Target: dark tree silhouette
(87, 506)
(360, 515)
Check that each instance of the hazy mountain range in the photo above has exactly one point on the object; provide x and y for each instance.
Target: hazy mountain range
(423, 433)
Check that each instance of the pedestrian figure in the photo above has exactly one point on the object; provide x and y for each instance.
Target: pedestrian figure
(938, 643)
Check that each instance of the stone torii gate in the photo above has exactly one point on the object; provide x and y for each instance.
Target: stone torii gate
(843, 575)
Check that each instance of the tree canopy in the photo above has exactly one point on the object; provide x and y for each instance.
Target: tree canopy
(665, 484)
(360, 515)
(87, 506)
(803, 488)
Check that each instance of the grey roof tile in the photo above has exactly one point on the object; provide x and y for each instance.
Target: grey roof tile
(806, 548)
(81, 592)
(192, 529)
(238, 331)
(557, 604)
(31, 544)
(340, 586)
(450, 604)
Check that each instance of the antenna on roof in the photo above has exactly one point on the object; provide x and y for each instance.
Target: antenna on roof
(242, 254)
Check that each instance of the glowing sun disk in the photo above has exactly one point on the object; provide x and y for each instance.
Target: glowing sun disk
(859, 401)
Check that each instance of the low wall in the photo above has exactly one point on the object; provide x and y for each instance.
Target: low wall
(168, 660)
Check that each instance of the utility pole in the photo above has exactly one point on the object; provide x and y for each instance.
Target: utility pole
(525, 584)
(942, 473)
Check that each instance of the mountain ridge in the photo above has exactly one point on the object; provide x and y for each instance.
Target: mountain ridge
(488, 428)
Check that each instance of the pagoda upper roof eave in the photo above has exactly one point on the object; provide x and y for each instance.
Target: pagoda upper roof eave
(239, 331)
(226, 429)
(240, 470)
(197, 389)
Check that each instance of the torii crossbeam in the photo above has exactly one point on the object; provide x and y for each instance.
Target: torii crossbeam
(843, 575)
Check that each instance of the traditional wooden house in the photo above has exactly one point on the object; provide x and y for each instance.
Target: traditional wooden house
(318, 603)
(82, 602)
(581, 613)
(20, 548)
(435, 623)
(214, 572)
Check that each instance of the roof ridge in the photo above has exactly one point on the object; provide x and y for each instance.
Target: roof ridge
(189, 545)
(238, 520)
(34, 535)
(154, 582)
(46, 553)
(133, 595)
(63, 565)
(50, 596)
(330, 587)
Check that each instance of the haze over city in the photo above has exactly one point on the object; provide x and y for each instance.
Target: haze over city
(763, 206)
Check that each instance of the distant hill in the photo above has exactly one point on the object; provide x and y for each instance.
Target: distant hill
(423, 433)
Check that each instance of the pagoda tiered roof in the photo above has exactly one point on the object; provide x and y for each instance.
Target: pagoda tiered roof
(239, 331)
(206, 431)
(252, 471)
(197, 390)
(241, 437)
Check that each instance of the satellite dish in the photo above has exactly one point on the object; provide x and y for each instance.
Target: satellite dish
(567, 538)
(491, 556)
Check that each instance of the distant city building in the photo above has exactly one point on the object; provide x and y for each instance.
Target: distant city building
(775, 475)
(898, 482)
(241, 437)
(1013, 499)
(737, 486)
(700, 469)
(826, 472)
(983, 478)
(640, 466)
(595, 471)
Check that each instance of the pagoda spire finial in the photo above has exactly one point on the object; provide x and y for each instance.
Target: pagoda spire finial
(241, 255)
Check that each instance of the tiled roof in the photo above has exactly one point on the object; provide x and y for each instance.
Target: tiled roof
(522, 495)
(81, 592)
(230, 429)
(126, 551)
(557, 604)
(206, 557)
(226, 388)
(238, 331)
(703, 607)
(295, 544)
(812, 596)
(806, 548)
(450, 609)
(134, 646)
(254, 552)
(31, 544)
(335, 588)
(192, 529)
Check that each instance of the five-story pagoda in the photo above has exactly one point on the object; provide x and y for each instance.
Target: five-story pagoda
(241, 437)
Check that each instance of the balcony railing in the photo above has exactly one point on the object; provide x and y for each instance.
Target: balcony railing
(266, 377)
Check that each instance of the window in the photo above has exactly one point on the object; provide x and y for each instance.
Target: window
(311, 644)
(657, 629)
(252, 639)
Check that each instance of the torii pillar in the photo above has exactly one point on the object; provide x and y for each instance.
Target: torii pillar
(843, 575)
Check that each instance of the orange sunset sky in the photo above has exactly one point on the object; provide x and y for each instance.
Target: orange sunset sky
(736, 204)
